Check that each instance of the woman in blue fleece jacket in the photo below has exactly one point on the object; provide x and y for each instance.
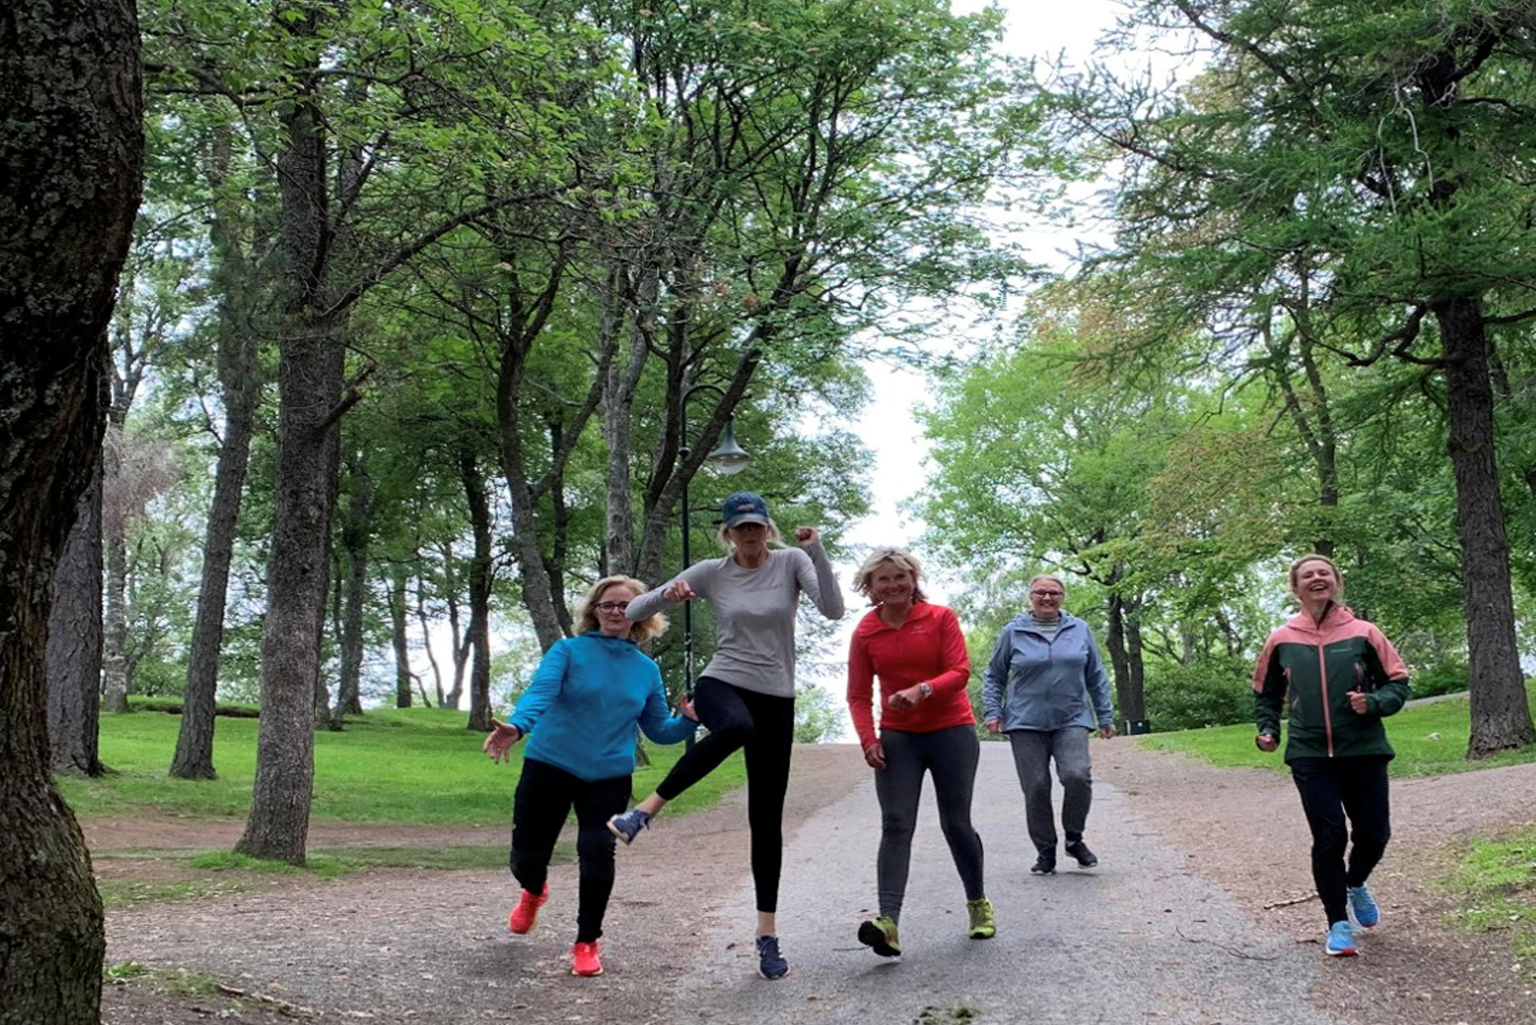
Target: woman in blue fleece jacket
(587, 696)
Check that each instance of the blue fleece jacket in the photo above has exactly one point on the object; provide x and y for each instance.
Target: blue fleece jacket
(1039, 683)
(585, 700)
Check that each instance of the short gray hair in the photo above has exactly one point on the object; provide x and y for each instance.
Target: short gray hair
(1051, 577)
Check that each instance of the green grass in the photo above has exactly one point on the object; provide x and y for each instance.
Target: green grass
(176, 982)
(398, 766)
(126, 893)
(1496, 888)
(1429, 739)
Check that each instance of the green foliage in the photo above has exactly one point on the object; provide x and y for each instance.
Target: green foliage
(413, 765)
(1210, 692)
(1444, 678)
(1429, 738)
(818, 715)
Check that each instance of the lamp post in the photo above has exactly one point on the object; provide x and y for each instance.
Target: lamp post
(728, 458)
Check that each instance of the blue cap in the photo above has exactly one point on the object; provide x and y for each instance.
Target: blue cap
(744, 507)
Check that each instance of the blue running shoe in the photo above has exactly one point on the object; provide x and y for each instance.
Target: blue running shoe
(1363, 906)
(1341, 941)
(770, 963)
(627, 825)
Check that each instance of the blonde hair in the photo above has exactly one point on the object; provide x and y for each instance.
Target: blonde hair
(646, 629)
(864, 576)
(773, 538)
(1296, 566)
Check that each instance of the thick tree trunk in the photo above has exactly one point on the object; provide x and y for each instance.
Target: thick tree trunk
(70, 161)
(355, 535)
(1501, 715)
(479, 594)
(619, 387)
(240, 380)
(402, 641)
(74, 643)
(310, 365)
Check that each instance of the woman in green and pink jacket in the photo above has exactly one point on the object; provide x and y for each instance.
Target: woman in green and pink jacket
(1337, 677)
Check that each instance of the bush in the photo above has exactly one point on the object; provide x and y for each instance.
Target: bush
(1445, 678)
(1213, 692)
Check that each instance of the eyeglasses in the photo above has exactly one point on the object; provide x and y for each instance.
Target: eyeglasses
(1047, 594)
(611, 606)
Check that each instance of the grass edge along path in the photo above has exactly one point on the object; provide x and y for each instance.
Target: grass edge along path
(1494, 885)
(418, 766)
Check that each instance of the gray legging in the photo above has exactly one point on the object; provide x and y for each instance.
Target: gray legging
(952, 756)
(1032, 754)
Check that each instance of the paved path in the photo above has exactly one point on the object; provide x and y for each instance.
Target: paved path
(1136, 940)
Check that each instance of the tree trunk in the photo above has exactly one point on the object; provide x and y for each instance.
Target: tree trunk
(1130, 694)
(239, 367)
(1501, 715)
(354, 540)
(74, 643)
(115, 612)
(479, 594)
(426, 640)
(459, 640)
(619, 386)
(310, 364)
(402, 642)
(70, 163)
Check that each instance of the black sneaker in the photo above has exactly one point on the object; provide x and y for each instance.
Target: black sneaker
(1080, 851)
(1045, 865)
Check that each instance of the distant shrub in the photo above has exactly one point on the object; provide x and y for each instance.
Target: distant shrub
(1212, 692)
(173, 707)
(1445, 678)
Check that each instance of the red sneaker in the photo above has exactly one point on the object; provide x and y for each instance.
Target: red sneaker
(526, 913)
(584, 959)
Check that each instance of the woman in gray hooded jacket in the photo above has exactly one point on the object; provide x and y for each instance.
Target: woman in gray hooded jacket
(1046, 688)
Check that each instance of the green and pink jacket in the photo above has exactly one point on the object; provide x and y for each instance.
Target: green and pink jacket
(1307, 669)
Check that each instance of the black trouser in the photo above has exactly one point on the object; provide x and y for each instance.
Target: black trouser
(951, 755)
(1333, 789)
(545, 797)
(764, 726)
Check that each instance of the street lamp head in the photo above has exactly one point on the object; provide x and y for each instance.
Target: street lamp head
(728, 457)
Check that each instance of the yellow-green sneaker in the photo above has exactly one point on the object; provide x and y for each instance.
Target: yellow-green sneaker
(983, 921)
(879, 934)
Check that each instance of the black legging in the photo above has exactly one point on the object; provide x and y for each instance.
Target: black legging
(545, 796)
(951, 755)
(764, 726)
(1332, 788)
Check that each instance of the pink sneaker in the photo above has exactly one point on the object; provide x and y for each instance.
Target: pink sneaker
(526, 913)
(584, 959)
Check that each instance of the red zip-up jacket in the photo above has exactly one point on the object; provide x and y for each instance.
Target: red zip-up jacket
(927, 648)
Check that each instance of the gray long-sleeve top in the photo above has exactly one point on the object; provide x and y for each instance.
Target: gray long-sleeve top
(755, 613)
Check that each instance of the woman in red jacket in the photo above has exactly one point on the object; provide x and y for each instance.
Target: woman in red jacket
(926, 725)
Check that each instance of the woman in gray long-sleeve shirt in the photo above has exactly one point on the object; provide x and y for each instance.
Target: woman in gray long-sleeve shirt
(746, 695)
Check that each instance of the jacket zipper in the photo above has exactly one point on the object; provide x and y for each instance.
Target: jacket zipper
(1322, 683)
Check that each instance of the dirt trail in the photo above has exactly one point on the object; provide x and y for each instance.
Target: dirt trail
(408, 946)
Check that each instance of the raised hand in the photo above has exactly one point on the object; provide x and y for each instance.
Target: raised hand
(678, 590)
(807, 536)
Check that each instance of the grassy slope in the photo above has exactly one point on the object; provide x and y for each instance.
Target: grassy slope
(1429, 739)
(411, 766)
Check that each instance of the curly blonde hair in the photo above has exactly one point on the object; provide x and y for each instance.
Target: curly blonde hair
(864, 576)
(646, 629)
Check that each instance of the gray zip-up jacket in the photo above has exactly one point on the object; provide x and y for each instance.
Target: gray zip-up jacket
(1036, 683)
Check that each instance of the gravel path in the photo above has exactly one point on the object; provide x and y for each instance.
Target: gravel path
(1137, 939)
(1173, 927)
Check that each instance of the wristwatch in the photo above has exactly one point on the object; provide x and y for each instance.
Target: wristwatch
(926, 690)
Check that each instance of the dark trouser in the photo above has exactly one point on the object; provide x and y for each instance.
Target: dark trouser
(951, 755)
(1333, 789)
(1032, 754)
(545, 796)
(764, 726)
